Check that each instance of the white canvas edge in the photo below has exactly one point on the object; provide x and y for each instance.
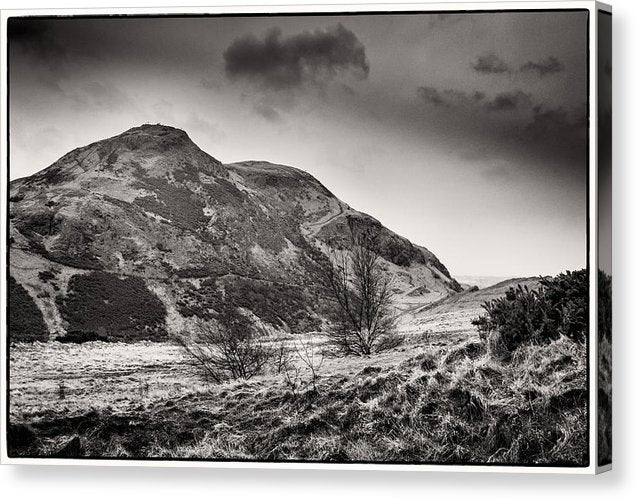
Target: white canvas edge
(319, 8)
(591, 6)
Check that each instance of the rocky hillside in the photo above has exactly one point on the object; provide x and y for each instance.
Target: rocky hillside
(135, 236)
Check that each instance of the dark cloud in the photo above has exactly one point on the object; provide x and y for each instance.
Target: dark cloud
(433, 96)
(490, 63)
(545, 67)
(507, 125)
(281, 63)
(508, 101)
(549, 123)
(35, 37)
(448, 97)
(559, 133)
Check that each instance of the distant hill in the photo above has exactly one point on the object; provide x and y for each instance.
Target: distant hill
(480, 281)
(473, 298)
(453, 313)
(138, 235)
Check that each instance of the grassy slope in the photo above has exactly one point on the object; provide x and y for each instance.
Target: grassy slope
(452, 315)
(473, 299)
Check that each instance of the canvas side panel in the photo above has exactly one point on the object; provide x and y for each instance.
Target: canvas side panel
(604, 182)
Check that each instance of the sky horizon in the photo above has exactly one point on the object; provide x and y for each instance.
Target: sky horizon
(464, 133)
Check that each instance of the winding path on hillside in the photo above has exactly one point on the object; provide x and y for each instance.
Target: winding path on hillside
(315, 227)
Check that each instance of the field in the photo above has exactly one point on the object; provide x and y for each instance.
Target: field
(441, 397)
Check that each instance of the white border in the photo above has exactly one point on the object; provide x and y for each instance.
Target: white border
(591, 6)
(344, 8)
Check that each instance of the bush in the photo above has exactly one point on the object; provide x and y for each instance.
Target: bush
(175, 203)
(278, 304)
(46, 275)
(200, 302)
(558, 307)
(81, 336)
(26, 323)
(230, 348)
(118, 308)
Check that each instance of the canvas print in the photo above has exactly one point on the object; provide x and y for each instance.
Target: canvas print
(336, 238)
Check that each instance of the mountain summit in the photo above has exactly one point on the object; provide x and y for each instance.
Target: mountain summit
(148, 218)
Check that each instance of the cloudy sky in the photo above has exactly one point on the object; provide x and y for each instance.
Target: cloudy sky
(463, 132)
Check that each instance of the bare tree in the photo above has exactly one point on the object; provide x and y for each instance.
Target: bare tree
(364, 321)
(281, 357)
(313, 361)
(230, 348)
(307, 354)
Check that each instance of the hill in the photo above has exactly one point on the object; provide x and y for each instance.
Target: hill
(138, 235)
(453, 313)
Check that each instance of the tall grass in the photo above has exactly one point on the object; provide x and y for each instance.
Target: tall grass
(444, 405)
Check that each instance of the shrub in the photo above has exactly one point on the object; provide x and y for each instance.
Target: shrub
(278, 304)
(230, 348)
(193, 272)
(559, 306)
(41, 222)
(175, 203)
(81, 336)
(567, 297)
(201, 302)
(121, 308)
(46, 275)
(283, 306)
(26, 323)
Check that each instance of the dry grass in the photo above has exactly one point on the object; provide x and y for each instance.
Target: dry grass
(95, 375)
(450, 403)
